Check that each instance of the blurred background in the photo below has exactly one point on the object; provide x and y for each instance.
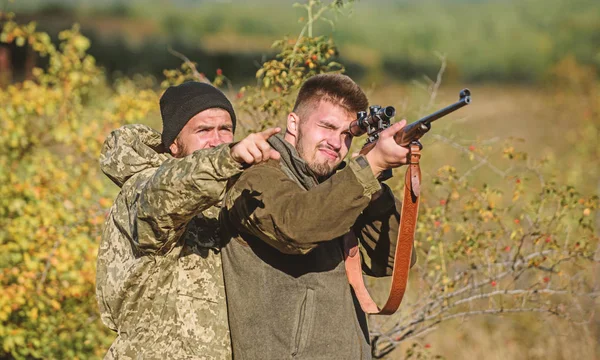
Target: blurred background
(383, 41)
(507, 51)
(532, 65)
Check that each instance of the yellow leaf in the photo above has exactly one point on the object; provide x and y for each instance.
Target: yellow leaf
(55, 304)
(33, 314)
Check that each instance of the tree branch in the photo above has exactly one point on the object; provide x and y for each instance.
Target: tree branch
(191, 65)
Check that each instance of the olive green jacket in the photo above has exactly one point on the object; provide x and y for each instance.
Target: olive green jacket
(159, 274)
(287, 291)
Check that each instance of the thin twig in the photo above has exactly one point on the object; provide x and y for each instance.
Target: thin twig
(435, 86)
(467, 151)
(306, 27)
(199, 76)
(47, 267)
(510, 292)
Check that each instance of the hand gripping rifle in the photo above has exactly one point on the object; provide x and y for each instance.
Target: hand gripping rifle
(379, 119)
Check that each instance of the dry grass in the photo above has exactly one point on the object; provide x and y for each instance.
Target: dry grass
(510, 337)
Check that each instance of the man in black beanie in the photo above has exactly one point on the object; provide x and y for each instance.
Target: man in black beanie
(197, 116)
(159, 275)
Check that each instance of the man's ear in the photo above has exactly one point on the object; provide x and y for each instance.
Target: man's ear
(292, 128)
(292, 124)
(174, 148)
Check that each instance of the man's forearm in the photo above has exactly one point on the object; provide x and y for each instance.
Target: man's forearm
(179, 190)
(267, 203)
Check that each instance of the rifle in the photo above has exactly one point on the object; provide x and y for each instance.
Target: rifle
(379, 119)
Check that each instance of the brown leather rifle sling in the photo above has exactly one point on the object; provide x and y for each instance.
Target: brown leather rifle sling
(404, 245)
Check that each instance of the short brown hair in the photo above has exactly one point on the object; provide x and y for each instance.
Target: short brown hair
(335, 88)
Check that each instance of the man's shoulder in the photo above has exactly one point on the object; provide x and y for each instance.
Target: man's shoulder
(263, 175)
(269, 164)
(135, 182)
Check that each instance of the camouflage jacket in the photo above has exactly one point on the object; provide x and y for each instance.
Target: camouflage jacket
(159, 275)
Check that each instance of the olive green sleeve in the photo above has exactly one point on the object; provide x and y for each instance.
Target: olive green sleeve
(165, 201)
(266, 203)
(377, 232)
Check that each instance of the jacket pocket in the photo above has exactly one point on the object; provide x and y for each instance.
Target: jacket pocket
(304, 322)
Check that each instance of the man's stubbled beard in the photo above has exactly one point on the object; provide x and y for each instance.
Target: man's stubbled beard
(320, 169)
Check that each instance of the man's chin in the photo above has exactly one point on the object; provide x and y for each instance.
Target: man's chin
(323, 168)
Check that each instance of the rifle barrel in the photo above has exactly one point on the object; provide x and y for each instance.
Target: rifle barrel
(415, 130)
(465, 99)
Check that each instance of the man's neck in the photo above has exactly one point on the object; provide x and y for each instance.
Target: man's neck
(290, 139)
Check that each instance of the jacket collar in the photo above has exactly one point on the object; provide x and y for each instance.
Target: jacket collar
(293, 165)
(129, 150)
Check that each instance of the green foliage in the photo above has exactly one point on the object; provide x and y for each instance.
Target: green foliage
(297, 60)
(504, 41)
(510, 41)
(279, 79)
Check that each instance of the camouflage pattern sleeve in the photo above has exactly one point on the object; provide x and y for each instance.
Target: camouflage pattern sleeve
(179, 190)
(377, 231)
(266, 203)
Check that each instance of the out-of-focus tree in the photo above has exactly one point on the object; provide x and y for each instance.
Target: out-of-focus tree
(52, 197)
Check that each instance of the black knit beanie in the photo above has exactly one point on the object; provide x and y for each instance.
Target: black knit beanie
(182, 102)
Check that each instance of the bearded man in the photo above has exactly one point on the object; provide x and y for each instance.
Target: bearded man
(284, 223)
(159, 275)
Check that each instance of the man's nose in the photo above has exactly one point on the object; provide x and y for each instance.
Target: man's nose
(216, 139)
(335, 141)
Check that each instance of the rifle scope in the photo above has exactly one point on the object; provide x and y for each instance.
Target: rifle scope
(363, 121)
